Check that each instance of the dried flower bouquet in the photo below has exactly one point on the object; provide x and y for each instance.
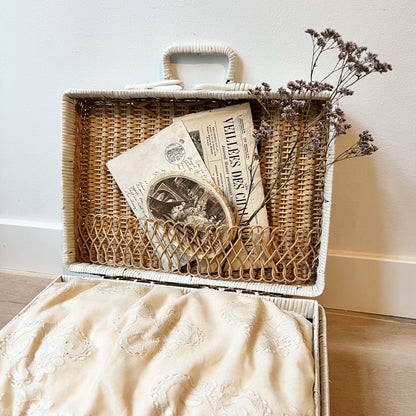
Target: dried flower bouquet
(352, 63)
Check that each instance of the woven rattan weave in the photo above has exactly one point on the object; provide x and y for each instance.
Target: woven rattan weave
(107, 233)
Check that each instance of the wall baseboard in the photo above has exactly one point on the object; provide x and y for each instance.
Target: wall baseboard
(373, 284)
(31, 247)
(354, 281)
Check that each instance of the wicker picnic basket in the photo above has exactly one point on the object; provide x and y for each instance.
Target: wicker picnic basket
(102, 236)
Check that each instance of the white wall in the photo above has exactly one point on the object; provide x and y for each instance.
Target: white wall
(52, 45)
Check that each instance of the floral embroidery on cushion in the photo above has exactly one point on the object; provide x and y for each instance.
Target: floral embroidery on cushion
(59, 345)
(209, 398)
(185, 333)
(15, 345)
(281, 339)
(56, 345)
(19, 375)
(36, 405)
(240, 314)
(213, 396)
(248, 403)
(137, 330)
(280, 336)
(179, 383)
(141, 332)
(136, 341)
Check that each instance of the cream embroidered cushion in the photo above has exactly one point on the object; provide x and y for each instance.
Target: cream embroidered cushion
(119, 348)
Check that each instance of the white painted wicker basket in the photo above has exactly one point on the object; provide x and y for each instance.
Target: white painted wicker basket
(98, 224)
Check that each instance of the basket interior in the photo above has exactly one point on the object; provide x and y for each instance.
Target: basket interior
(107, 233)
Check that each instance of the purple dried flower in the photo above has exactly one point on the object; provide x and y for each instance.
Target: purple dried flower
(350, 47)
(309, 149)
(312, 32)
(340, 128)
(315, 127)
(298, 103)
(381, 67)
(293, 86)
(266, 87)
(352, 57)
(330, 34)
(327, 107)
(339, 113)
(315, 87)
(337, 121)
(264, 132)
(315, 140)
(263, 89)
(345, 91)
(289, 113)
(365, 145)
(283, 92)
(366, 136)
(321, 42)
(255, 91)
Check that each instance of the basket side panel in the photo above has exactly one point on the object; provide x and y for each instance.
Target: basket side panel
(68, 175)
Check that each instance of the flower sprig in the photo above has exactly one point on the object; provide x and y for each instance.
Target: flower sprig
(294, 103)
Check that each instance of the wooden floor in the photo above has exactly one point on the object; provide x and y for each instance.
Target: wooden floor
(372, 358)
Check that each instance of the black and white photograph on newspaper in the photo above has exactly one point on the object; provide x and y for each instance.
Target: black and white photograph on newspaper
(186, 198)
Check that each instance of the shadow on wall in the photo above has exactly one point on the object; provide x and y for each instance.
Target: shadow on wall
(363, 271)
(356, 216)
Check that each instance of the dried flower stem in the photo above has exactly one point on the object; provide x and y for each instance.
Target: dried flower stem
(294, 103)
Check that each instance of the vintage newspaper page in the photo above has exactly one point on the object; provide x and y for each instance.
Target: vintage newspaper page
(169, 150)
(224, 138)
(167, 154)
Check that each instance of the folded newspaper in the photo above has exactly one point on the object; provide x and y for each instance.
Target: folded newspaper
(197, 171)
(165, 178)
(224, 139)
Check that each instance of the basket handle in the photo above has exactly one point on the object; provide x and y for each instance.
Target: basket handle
(214, 49)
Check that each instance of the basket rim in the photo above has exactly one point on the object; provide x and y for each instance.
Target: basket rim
(181, 94)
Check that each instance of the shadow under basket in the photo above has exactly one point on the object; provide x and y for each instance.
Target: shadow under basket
(101, 232)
